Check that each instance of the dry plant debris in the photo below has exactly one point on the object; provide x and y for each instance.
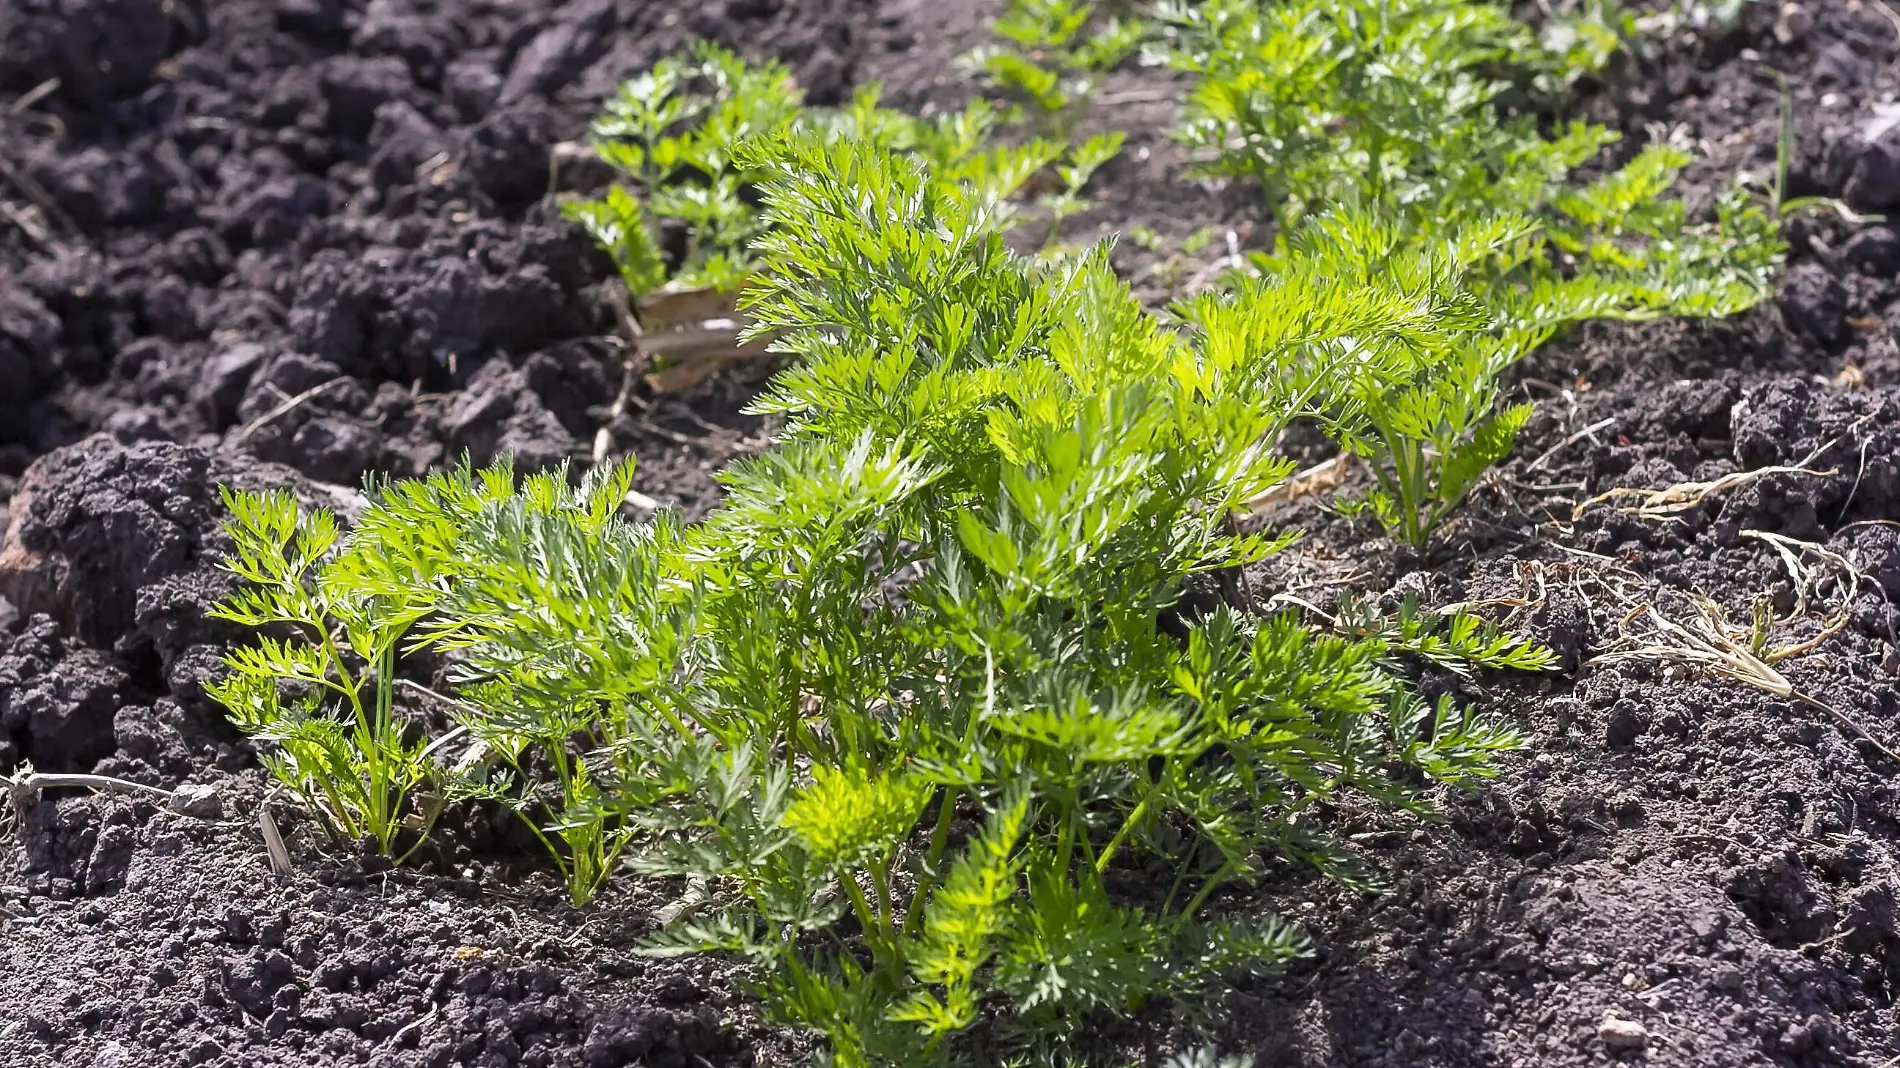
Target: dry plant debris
(1704, 640)
(1671, 502)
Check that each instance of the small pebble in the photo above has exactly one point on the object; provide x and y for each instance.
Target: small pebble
(1794, 23)
(1622, 1034)
(198, 801)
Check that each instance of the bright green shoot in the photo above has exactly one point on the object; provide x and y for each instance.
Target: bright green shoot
(458, 562)
(1387, 127)
(1052, 55)
(671, 132)
(679, 135)
(495, 577)
(321, 697)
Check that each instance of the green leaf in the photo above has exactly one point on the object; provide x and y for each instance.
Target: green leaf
(618, 224)
(962, 920)
(847, 816)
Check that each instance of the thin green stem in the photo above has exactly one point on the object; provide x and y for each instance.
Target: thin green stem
(1213, 883)
(1408, 466)
(867, 918)
(547, 844)
(1128, 825)
(383, 788)
(428, 824)
(1180, 880)
(1065, 844)
(946, 809)
(1082, 839)
(939, 841)
(339, 809)
(881, 880)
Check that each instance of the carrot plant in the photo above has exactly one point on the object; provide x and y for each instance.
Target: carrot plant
(675, 135)
(1050, 57)
(920, 703)
(943, 713)
(1408, 123)
(318, 688)
(402, 582)
(493, 585)
(670, 133)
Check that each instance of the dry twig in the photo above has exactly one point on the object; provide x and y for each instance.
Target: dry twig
(1533, 578)
(27, 224)
(1587, 432)
(289, 405)
(698, 355)
(24, 788)
(632, 363)
(34, 95)
(693, 333)
(1670, 502)
(34, 191)
(1320, 477)
(1892, 16)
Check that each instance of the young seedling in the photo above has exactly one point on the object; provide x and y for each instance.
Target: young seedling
(1083, 161)
(318, 689)
(1456, 641)
(679, 134)
(454, 563)
(671, 133)
(1052, 56)
(1388, 121)
(1782, 207)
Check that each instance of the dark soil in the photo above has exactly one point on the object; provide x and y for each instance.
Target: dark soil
(286, 242)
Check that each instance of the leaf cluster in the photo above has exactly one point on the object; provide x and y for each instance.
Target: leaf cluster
(1051, 55)
(920, 703)
(670, 132)
(319, 686)
(1405, 130)
(678, 136)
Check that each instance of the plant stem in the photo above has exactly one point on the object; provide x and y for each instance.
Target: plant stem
(939, 841)
(1180, 878)
(1408, 466)
(1065, 846)
(874, 933)
(1128, 825)
(385, 810)
(428, 824)
(1213, 883)
(881, 881)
